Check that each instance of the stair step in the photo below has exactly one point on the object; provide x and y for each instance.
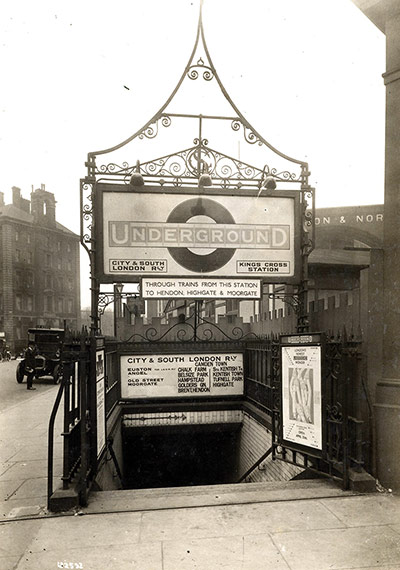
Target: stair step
(211, 495)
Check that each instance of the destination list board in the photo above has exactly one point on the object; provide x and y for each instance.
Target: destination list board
(181, 375)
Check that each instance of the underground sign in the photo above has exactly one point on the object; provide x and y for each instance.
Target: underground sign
(175, 235)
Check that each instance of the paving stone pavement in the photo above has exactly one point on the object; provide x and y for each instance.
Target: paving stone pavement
(308, 534)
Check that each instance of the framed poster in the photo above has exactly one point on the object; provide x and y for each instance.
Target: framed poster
(302, 414)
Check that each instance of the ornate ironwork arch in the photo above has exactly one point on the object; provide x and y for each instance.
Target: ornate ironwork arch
(184, 167)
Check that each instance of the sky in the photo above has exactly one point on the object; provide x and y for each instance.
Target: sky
(84, 76)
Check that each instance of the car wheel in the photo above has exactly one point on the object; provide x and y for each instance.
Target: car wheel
(20, 372)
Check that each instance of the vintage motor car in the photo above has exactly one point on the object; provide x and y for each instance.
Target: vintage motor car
(49, 343)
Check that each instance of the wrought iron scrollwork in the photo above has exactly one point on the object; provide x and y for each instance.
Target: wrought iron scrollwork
(249, 135)
(150, 132)
(194, 329)
(284, 175)
(193, 71)
(113, 168)
(334, 412)
(106, 299)
(203, 142)
(182, 167)
(86, 191)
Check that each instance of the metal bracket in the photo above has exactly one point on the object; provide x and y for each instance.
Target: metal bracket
(291, 299)
(106, 299)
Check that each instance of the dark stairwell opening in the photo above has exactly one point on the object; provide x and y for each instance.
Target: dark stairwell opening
(177, 456)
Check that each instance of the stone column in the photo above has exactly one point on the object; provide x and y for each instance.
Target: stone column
(387, 407)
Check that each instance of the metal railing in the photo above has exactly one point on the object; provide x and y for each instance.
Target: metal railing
(72, 420)
(255, 465)
(260, 374)
(73, 382)
(113, 384)
(50, 443)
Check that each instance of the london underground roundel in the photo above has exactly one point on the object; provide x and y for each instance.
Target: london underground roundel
(183, 213)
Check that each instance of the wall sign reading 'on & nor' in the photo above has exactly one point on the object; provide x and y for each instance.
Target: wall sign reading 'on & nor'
(181, 375)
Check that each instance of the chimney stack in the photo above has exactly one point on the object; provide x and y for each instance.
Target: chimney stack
(43, 207)
(16, 196)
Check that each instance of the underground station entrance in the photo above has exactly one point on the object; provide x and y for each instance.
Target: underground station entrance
(231, 423)
(187, 392)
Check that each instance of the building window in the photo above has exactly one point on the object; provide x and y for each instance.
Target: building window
(16, 235)
(30, 281)
(48, 281)
(17, 255)
(69, 265)
(70, 284)
(18, 278)
(28, 238)
(48, 260)
(47, 242)
(58, 246)
(18, 302)
(49, 303)
(69, 247)
(60, 305)
(29, 257)
(70, 306)
(58, 263)
(29, 303)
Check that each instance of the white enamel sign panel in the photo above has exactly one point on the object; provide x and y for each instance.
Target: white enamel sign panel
(181, 375)
(200, 288)
(161, 235)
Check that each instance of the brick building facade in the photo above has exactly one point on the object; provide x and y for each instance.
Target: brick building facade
(39, 268)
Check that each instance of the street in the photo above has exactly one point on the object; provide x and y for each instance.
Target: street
(24, 420)
(12, 393)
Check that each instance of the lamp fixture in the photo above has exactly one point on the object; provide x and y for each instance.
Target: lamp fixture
(205, 178)
(137, 178)
(269, 183)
